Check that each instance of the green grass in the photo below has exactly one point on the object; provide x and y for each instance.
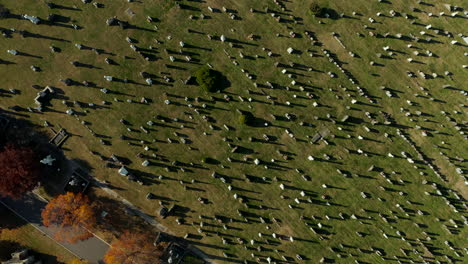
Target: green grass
(174, 22)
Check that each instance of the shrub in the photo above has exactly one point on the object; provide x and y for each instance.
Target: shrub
(316, 9)
(245, 118)
(4, 12)
(209, 80)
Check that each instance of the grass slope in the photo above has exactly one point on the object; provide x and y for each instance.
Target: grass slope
(336, 239)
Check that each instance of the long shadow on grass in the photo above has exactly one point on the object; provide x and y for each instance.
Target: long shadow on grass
(89, 66)
(20, 53)
(140, 28)
(4, 62)
(34, 35)
(57, 6)
(49, 23)
(15, 113)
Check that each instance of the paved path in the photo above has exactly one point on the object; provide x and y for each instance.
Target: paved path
(150, 220)
(30, 207)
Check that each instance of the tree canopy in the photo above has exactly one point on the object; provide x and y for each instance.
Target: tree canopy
(4, 12)
(209, 80)
(133, 248)
(246, 118)
(316, 9)
(20, 171)
(73, 214)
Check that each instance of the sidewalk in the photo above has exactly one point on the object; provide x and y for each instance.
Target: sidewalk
(150, 220)
(29, 208)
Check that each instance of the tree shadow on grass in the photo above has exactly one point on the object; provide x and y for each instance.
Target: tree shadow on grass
(224, 82)
(6, 248)
(258, 122)
(216, 80)
(331, 13)
(326, 12)
(211, 161)
(8, 220)
(117, 220)
(45, 258)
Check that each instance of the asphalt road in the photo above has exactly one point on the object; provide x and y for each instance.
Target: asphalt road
(30, 207)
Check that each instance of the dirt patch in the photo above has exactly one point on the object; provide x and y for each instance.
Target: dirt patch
(286, 230)
(461, 187)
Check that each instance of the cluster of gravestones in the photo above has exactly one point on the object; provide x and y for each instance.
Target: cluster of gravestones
(262, 247)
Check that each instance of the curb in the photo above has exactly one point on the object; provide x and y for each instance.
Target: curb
(38, 229)
(46, 201)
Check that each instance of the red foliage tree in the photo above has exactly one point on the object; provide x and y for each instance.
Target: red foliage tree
(73, 214)
(20, 171)
(132, 248)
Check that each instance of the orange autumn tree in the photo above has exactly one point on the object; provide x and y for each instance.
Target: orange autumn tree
(73, 214)
(133, 248)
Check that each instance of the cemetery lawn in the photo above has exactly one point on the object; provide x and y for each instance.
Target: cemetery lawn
(17, 230)
(392, 184)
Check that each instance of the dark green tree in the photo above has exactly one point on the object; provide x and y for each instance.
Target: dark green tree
(4, 12)
(316, 9)
(209, 80)
(245, 118)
